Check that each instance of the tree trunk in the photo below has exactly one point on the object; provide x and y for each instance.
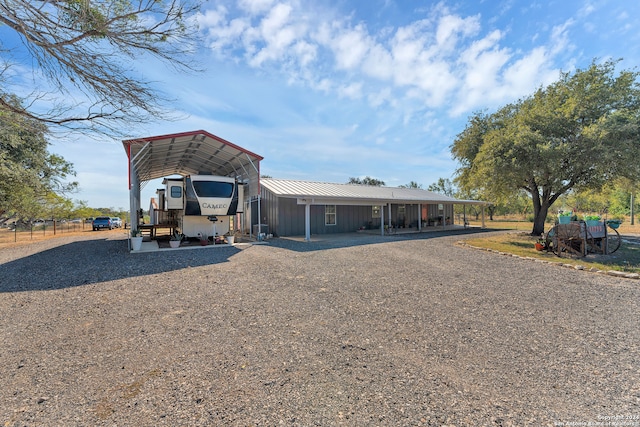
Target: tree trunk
(539, 218)
(540, 208)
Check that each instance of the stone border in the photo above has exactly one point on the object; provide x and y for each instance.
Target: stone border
(614, 273)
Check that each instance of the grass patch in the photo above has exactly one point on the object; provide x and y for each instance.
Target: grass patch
(627, 258)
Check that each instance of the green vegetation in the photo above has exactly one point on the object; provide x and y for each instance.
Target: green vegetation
(32, 180)
(521, 243)
(579, 134)
(367, 180)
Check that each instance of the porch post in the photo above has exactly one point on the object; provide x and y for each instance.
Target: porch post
(307, 222)
(464, 215)
(382, 220)
(419, 217)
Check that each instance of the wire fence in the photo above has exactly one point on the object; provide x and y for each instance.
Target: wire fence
(41, 231)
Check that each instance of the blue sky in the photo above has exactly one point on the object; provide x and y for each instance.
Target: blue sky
(329, 90)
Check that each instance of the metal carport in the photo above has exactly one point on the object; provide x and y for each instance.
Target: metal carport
(187, 153)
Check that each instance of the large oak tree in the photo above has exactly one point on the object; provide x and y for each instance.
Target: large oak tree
(577, 133)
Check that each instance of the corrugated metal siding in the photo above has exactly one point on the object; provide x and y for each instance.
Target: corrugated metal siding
(285, 216)
(291, 218)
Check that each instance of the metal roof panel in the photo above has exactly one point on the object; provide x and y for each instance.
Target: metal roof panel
(326, 190)
(190, 153)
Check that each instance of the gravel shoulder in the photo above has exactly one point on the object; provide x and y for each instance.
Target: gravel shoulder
(388, 331)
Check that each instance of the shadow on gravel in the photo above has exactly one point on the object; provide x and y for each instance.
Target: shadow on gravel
(93, 261)
(329, 241)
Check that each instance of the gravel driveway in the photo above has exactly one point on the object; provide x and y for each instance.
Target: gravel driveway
(368, 331)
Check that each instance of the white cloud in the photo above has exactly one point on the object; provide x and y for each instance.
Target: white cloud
(223, 35)
(324, 85)
(377, 99)
(350, 47)
(276, 34)
(482, 63)
(450, 27)
(560, 38)
(352, 91)
(255, 7)
(528, 72)
(378, 63)
(586, 10)
(212, 17)
(305, 52)
(442, 61)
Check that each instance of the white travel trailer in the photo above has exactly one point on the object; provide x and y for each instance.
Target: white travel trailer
(202, 204)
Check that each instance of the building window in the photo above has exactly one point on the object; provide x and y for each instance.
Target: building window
(375, 211)
(330, 215)
(402, 209)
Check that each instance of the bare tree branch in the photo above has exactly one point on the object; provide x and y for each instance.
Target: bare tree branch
(90, 46)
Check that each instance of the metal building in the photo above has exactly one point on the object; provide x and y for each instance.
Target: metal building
(294, 208)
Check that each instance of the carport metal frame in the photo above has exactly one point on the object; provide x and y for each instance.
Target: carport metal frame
(184, 154)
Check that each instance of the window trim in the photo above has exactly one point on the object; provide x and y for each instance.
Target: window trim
(328, 215)
(172, 192)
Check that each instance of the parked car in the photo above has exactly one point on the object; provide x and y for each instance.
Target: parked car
(117, 222)
(101, 222)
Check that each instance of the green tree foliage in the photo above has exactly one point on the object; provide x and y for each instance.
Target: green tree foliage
(56, 206)
(411, 184)
(443, 186)
(367, 180)
(90, 47)
(612, 200)
(578, 133)
(28, 172)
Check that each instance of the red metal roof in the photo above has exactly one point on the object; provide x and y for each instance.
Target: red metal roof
(189, 153)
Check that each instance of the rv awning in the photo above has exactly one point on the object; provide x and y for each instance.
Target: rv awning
(188, 153)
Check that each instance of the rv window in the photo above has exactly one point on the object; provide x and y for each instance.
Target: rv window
(176, 192)
(213, 189)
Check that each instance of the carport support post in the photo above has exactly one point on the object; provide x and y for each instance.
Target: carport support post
(134, 199)
(307, 222)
